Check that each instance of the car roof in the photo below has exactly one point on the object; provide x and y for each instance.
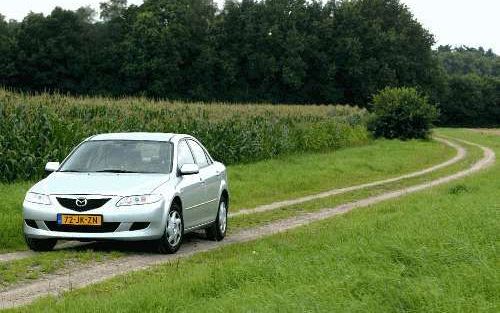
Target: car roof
(134, 136)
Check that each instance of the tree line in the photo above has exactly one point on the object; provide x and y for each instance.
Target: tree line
(278, 51)
(469, 92)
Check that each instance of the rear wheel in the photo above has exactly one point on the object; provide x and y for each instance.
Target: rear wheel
(217, 231)
(174, 229)
(40, 244)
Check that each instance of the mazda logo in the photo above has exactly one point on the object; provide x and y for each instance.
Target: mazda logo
(81, 202)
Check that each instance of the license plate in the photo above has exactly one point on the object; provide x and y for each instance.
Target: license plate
(79, 219)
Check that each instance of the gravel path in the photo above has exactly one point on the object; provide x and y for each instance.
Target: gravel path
(460, 154)
(56, 284)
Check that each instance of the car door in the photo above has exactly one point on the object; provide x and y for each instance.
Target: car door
(192, 188)
(211, 179)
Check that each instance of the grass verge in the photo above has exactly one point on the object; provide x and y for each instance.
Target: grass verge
(11, 199)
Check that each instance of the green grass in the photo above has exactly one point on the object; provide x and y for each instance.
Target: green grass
(11, 200)
(252, 220)
(434, 251)
(278, 179)
(298, 175)
(49, 262)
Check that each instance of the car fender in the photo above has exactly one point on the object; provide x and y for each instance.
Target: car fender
(169, 194)
(224, 184)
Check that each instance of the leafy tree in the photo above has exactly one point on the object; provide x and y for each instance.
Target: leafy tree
(378, 43)
(86, 14)
(166, 39)
(55, 52)
(109, 62)
(471, 94)
(7, 51)
(274, 50)
(471, 100)
(113, 9)
(467, 60)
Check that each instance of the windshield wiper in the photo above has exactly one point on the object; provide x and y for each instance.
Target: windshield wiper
(114, 171)
(72, 171)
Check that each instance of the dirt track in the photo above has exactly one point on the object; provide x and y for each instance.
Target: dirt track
(461, 153)
(61, 282)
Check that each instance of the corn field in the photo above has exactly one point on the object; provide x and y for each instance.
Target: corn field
(37, 128)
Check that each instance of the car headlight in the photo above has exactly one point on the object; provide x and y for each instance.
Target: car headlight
(37, 198)
(139, 200)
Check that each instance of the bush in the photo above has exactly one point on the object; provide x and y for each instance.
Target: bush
(36, 129)
(402, 113)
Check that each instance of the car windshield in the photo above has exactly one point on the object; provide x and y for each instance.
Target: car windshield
(120, 156)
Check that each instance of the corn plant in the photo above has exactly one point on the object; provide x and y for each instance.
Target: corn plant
(37, 128)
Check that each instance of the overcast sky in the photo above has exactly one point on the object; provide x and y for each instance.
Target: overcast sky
(456, 22)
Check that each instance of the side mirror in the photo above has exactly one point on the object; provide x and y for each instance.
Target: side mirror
(51, 167)
(189, 169)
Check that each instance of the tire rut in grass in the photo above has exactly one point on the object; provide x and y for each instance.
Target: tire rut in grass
(461, 153)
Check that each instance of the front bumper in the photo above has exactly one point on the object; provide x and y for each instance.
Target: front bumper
(43, 218)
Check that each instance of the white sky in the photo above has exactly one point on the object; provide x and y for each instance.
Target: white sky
(456, 22)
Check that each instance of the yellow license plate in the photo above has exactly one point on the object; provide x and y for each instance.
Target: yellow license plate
(80, 219)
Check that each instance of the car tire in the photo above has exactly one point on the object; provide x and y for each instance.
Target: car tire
(40, 245)
(217, 231)
(172, 237)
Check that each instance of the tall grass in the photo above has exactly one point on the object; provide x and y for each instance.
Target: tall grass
(38, 128)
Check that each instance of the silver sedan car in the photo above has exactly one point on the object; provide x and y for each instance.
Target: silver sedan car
(131, 187)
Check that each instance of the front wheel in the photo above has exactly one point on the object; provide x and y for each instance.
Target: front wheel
(217, 231)
(40, 245)
(174, 229)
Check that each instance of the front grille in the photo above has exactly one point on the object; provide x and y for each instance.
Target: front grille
(105, 228)
(70, 203)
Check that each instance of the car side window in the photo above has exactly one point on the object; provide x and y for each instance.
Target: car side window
(184, 155)
(199, 154)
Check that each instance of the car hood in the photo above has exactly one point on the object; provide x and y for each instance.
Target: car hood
(100, 183)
